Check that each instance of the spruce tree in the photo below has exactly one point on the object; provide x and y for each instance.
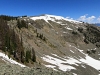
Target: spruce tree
(33, 55)
(18, 24)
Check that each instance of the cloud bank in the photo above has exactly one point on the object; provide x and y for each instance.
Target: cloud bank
(87, 18)
(90, 19)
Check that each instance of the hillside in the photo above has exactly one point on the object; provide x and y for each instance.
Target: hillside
(63, 45)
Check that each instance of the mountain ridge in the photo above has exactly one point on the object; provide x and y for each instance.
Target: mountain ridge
(52, 17)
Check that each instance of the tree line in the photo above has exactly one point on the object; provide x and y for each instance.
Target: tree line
(8, 18)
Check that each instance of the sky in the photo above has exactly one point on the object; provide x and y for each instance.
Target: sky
(82, 10)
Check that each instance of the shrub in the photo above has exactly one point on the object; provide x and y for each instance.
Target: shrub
(88, 51)
(86, 41)
(93, 51)
(74, 32)
(80, 29)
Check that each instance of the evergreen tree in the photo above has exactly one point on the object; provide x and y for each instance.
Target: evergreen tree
(28, 56)
(18, 24)
(33, 55)
(22, 56)
(21, 40)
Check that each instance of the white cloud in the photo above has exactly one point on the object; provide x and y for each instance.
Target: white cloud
(83, 18)
(89, 19)
(98, 19)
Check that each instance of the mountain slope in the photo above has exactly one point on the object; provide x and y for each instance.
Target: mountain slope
(61, 44)
(65, 43)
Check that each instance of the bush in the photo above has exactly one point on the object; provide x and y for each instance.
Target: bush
(88, 51)
(80, 29)
(86, 41)
(93, 51)
(74, 32)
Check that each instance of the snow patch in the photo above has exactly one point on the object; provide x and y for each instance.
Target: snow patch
(46, 18)
(59, 22)
(74, 74)
(72, 61)
(72, 51)
(65, 32)
(68, 28)
(98, 54)
(65, 63)
(57, 62)
(91, 62)
(83, 66)
(63, 24)
(5, 57)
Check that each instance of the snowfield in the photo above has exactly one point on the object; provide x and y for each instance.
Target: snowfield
(6, 58)
(57, 62)
(91, 62)
(65, 63)
(47, 17)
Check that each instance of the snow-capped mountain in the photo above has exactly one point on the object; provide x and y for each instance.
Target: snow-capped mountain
(61, 44)
(54, 18)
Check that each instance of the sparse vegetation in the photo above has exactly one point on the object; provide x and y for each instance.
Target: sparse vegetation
(10, 42)
(92, 35)
(41, 37)
(91, 51)
(21, 23)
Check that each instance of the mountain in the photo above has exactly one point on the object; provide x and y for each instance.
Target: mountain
(60, 45)
(98, 24)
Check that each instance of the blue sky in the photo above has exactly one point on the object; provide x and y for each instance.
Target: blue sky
(84, 10)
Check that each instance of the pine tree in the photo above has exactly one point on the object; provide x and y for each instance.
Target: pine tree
(18, 24)
(37, 34)
(22, 56)
(33, 55)
(21, 40)
(28, 56)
